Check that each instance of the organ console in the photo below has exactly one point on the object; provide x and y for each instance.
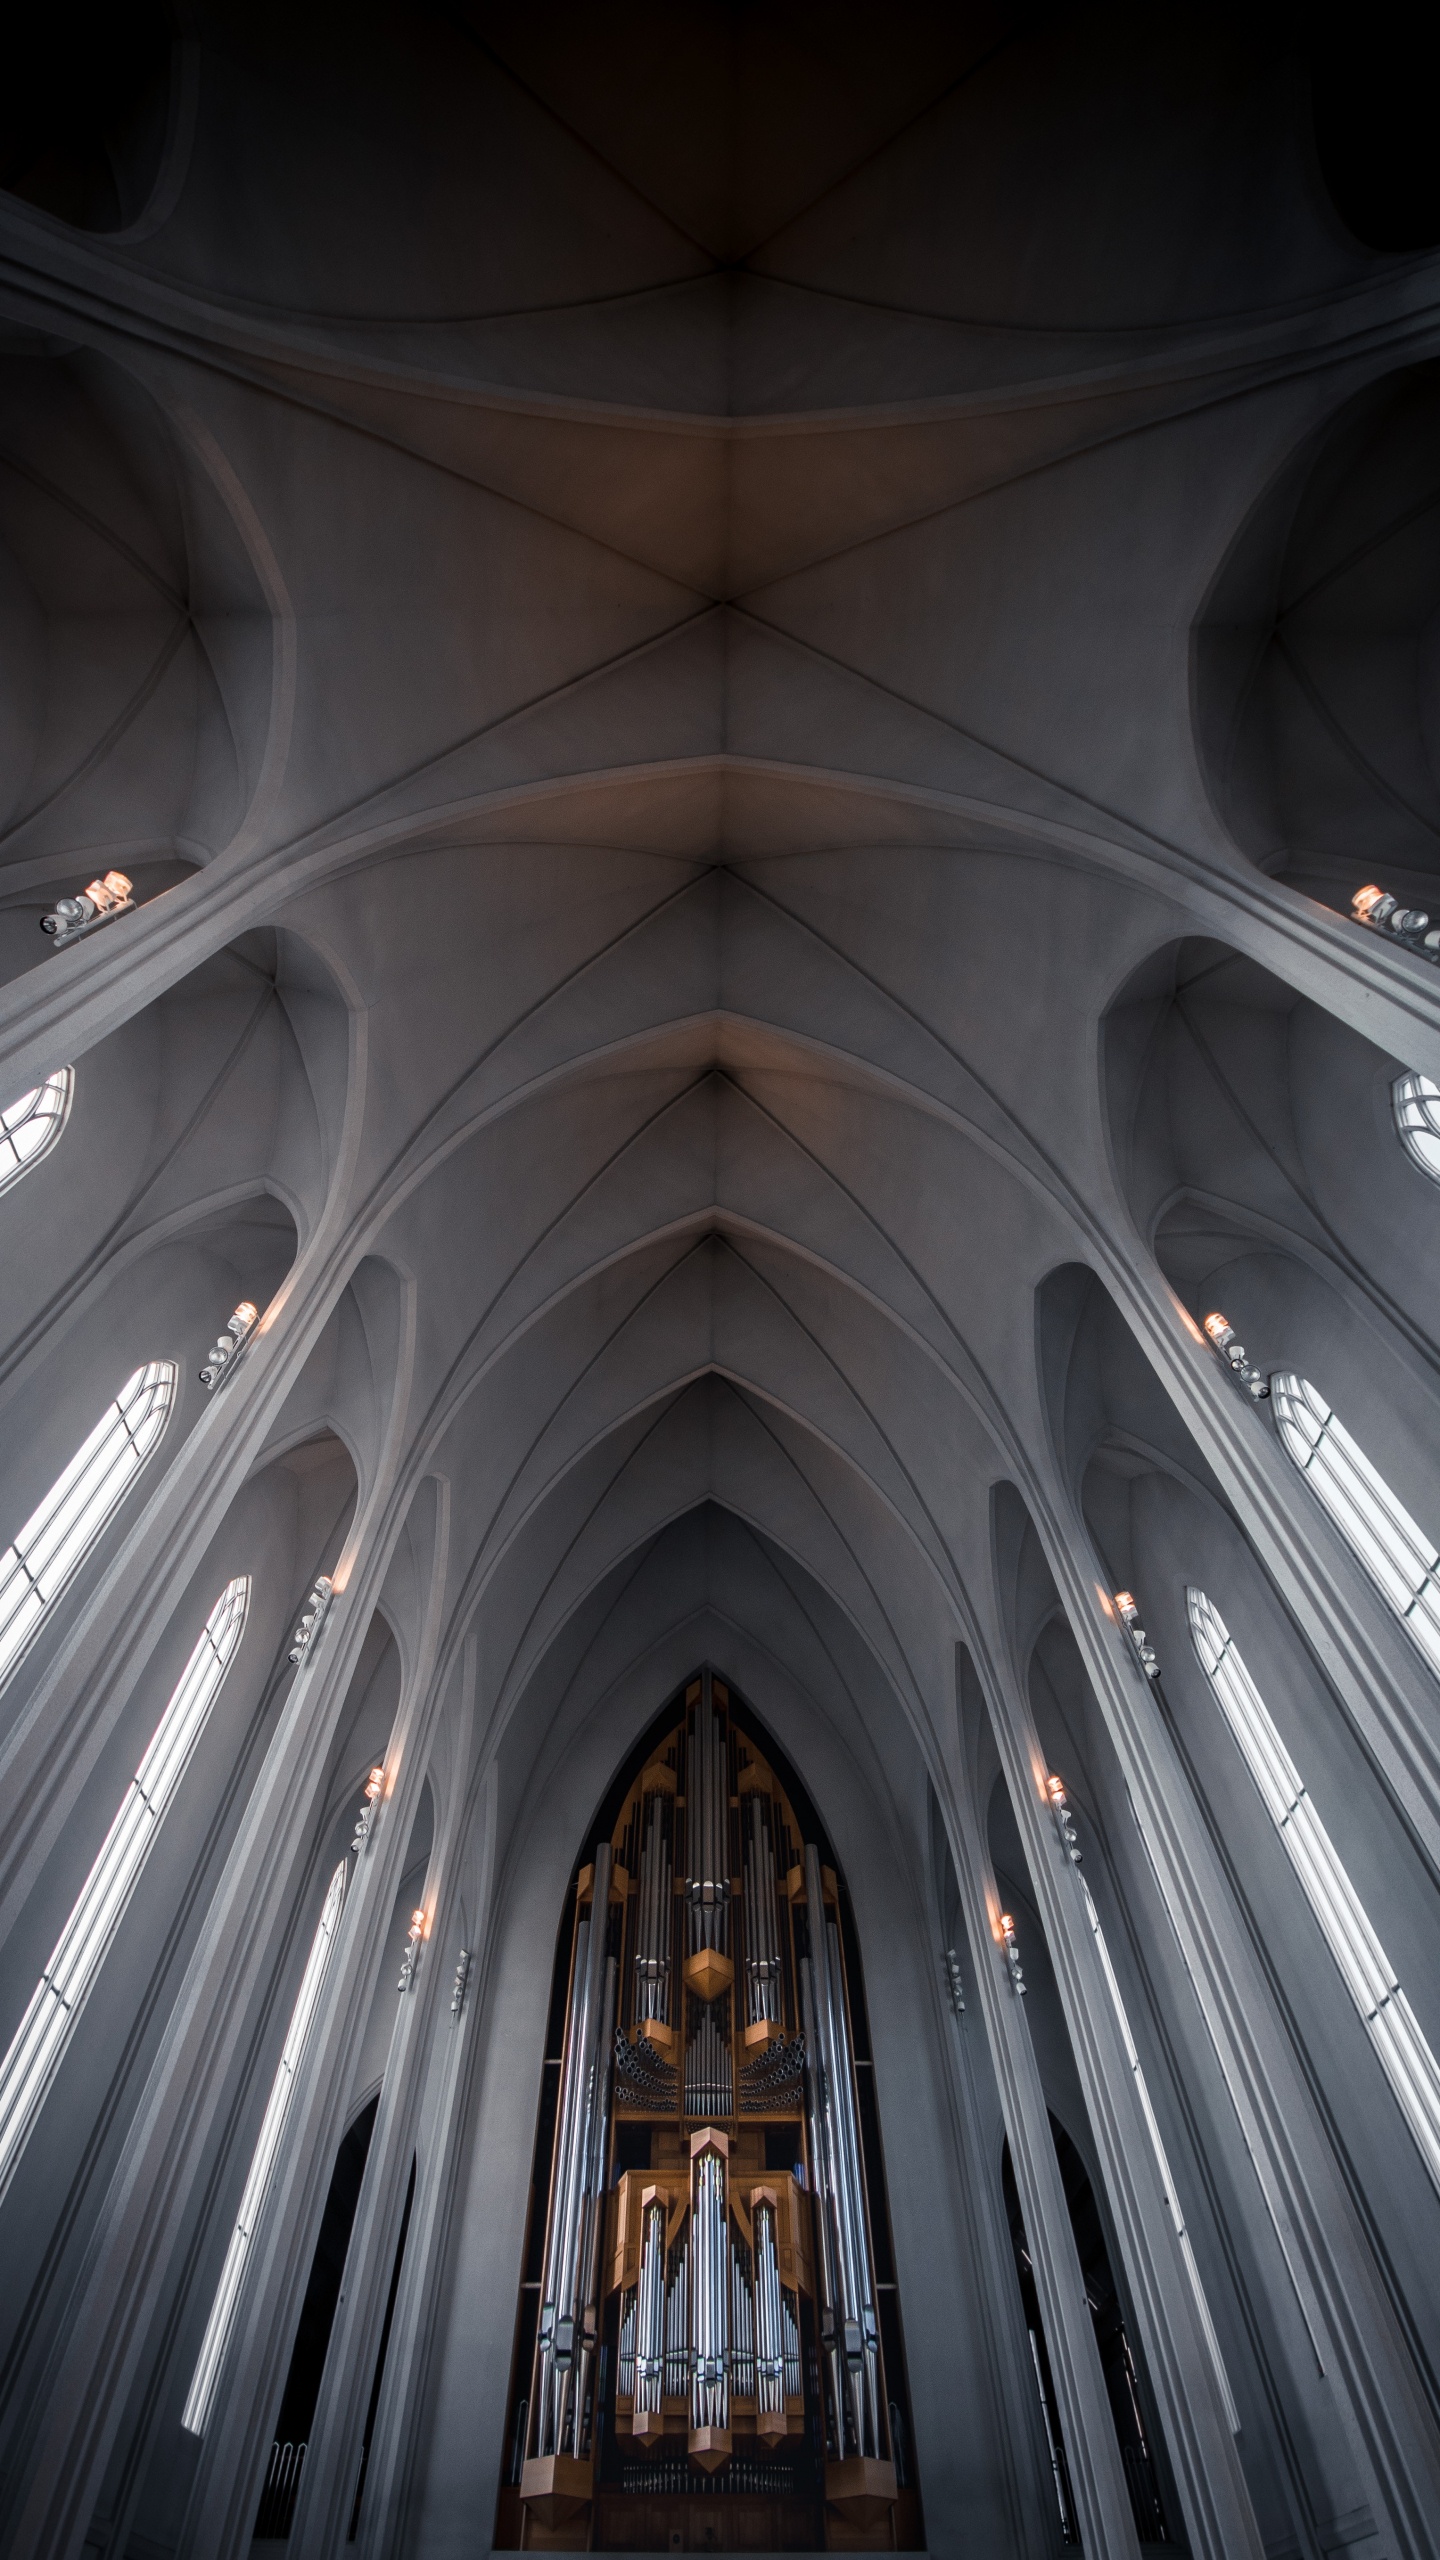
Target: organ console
(704, 2322)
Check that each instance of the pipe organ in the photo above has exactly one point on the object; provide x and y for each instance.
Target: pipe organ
(705, 2319)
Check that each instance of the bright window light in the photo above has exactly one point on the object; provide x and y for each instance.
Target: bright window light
(57, 1538)
(195, 2416)
(1392, 1547)
(1167, 2182)
(45, 2030)
(1368, 1975)
(31, 1126)
(1416, 1101)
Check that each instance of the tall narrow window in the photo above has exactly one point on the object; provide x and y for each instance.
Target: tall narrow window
(1172, 2198)
(195, 2416)
(57, 1537)
(1392, 1547)
(40, 2040)
(31, 1126)
(1369, 1976)
(1416, 1101)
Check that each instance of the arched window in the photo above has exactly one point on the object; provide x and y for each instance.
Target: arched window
(200, 2401)
(1416, 1101)
(1369, 1976)
(1162, 2163)
(40, 2040)
(1392, 1547)
(31, 1126)
(59, 1535)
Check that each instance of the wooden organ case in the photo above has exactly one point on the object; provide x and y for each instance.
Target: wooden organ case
(702, 2358)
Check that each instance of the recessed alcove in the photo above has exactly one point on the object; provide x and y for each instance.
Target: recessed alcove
(135, 643)
(1314, 655)
(82, 129)
(1161, 1527)
(1117, 2338)
(1254, 1137)
(1372, 75)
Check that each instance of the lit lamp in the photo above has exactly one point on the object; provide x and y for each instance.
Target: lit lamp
(223, 1354)
(1064, 1820)
(1410, 925)
(374, 1785)
(1005, 1931)
(72, 918)
(1235, 1357)
(414, 1940)
(1129, 1617)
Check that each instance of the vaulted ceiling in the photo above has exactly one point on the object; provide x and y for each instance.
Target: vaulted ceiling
(662, 550)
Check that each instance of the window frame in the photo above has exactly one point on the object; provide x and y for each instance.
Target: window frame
(44, 1556)
(1396, 2035)
(40, 2042)
(45, 1108)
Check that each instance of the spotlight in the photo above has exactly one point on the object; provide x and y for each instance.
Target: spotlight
(1129, 1616)
(312, 1618)
(414, 1939)
(223, 1354)
(1064, 1820)
(1410, 925)
(1012, 1955)
(1236, 1359)
(373, 1786)
(100, 903)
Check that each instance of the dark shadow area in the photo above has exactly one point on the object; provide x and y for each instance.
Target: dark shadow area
(1313, 697)
(312, 2337)
(1372, 91)
(85, 94)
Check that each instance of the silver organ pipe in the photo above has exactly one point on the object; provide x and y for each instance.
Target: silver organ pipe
(710, 2261)
(677, 2326)
(742, 2323)
(709, 2072)
(561, 2361)
(707, 1827)
(762, 1933)
(853, 2345)
(652, 1936)
(649, 2381)
(770, 2342)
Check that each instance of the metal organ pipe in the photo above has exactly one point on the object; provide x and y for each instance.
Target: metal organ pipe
(853, 2345)
(710, 2259)
(707, 1827)
(762, 1935)
(652, 1939)
(561, 2359)
(769, 2330)
(650, 2317)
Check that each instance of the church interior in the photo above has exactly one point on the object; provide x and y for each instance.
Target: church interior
(719, 1343)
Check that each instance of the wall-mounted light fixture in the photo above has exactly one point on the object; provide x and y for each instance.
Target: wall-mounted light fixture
(1129, 1617)
(225, 1352)
(954, 1981)
(312, 1618)
(72, 918)
(1006, 1931)
(373, 1787)
(1410, 925)
(414, 1940)
(1236, 1358)
(462, 1977)
(1064, 1820)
